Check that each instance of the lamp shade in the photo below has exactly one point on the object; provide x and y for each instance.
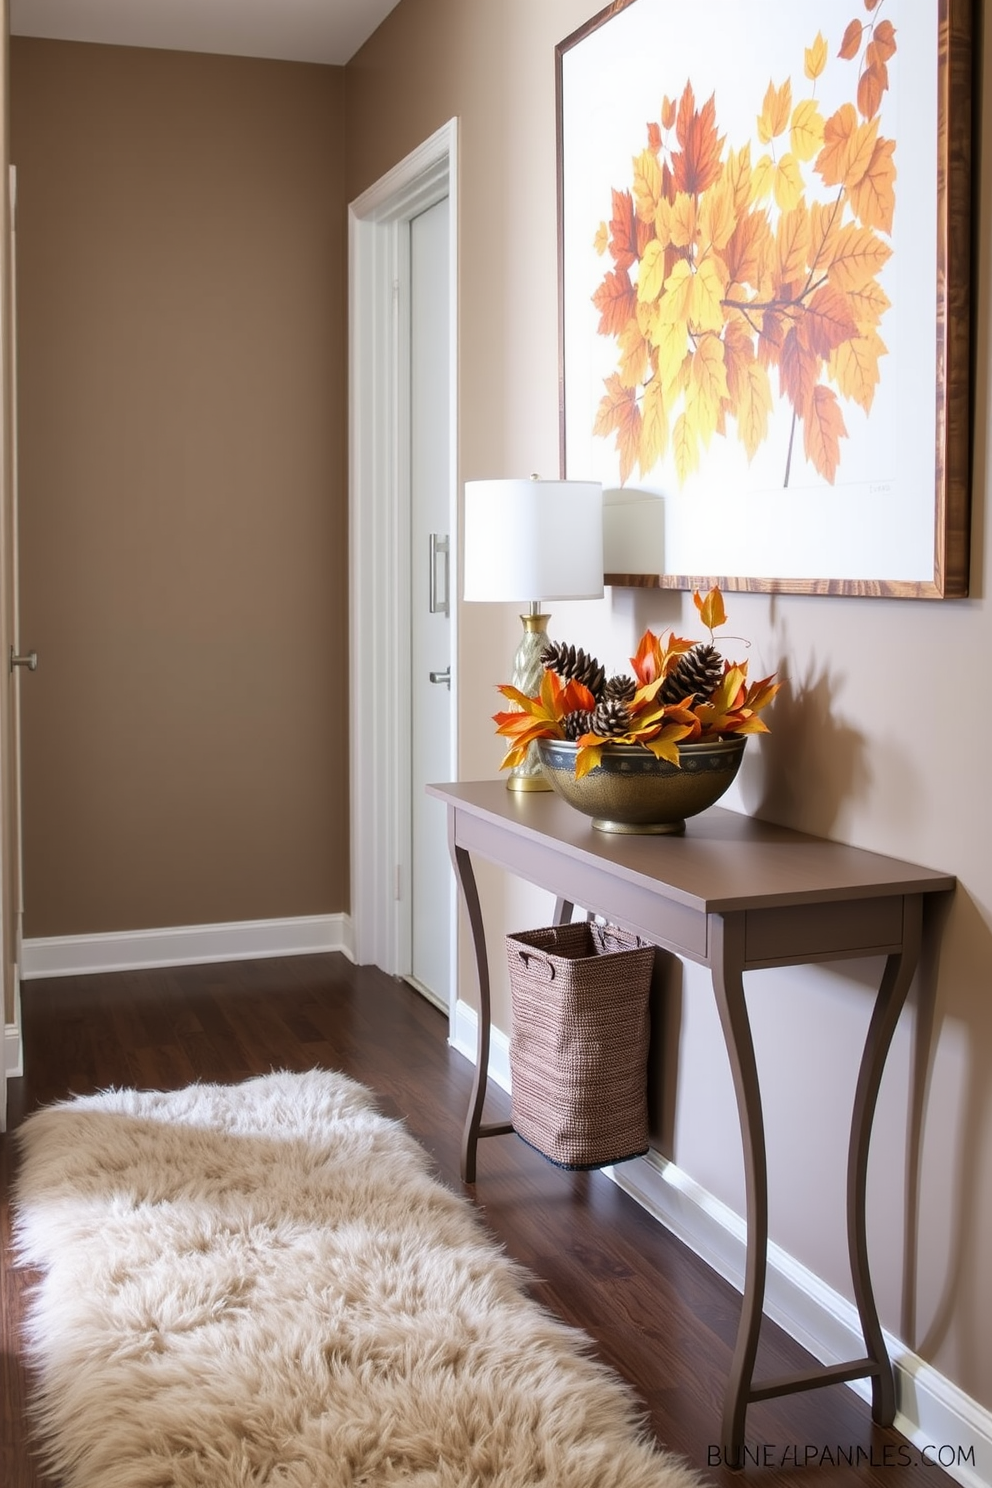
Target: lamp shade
(531, 540)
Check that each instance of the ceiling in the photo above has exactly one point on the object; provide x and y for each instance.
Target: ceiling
(329, 31)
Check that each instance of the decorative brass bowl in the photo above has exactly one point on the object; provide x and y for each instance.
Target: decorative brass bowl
(632, 791)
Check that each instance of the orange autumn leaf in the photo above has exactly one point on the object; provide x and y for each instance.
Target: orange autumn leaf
(615, 300)
(829, 320)
(884, 40)
(873, 197)
(823, 428)
(871, 85)
(775, 111)
(851, 43)
(697, 166)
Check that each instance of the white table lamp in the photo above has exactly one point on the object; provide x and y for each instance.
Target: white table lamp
(529, 541)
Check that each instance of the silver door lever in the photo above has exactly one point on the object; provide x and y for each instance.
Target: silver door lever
(30, 661)
(444, 677)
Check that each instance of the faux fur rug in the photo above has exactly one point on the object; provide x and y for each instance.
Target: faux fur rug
(263, 1284)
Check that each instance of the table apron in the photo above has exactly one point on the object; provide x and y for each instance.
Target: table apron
(678, 927)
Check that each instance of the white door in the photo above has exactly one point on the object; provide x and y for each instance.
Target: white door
(11, 904)
(430, 624)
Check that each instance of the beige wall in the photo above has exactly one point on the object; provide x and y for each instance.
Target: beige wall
(182, 486)
(855, 753)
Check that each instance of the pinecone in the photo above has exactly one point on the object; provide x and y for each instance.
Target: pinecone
(576, 724)
(621, 689)
(698, 672)
(611, 717)
(570, 664)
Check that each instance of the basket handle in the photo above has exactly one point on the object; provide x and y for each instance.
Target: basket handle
(528, 956)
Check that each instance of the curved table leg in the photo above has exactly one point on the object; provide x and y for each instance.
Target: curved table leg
(727, 940)
(896, 979)
(473, 1122)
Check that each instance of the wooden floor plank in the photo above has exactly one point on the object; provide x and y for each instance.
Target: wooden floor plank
(654, 1310)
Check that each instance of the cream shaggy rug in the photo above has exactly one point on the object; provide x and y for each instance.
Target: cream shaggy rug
(263, 1284)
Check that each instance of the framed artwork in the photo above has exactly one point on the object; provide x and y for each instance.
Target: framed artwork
(764, 231)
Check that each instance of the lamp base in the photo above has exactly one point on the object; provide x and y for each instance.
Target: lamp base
(528, 783)
(527, 676)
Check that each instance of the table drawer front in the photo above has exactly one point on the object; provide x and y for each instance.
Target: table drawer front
(816, 932)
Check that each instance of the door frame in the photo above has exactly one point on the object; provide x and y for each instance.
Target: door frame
(379, 546)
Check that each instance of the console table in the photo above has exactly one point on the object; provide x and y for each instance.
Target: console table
(733, 894)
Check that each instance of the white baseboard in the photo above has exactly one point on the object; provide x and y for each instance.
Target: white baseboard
(464, 1038)
(13, 1051)
(185, 945)
(947, 1427)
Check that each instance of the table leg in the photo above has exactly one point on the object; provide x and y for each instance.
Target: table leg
(470, 895)
(894, 986)
(727, 939)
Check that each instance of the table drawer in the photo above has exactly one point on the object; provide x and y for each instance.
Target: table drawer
(819, 932)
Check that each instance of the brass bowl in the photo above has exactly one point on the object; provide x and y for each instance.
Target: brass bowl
(632, 791)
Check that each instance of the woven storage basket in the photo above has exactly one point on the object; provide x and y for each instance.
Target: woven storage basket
(579, 1042)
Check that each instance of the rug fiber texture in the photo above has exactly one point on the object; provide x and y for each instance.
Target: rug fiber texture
(264, 1284)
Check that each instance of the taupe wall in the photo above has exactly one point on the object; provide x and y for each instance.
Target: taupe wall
(181, 241)
(858, 751)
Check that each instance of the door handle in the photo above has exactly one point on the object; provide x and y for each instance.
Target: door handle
(30, 661)
(438, 548)
(444, 677)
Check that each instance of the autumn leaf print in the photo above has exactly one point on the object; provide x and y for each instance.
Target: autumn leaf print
(745, 272)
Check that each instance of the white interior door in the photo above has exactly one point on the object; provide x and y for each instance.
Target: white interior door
(430, 600)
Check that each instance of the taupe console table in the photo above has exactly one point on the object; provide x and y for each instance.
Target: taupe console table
(733, 894)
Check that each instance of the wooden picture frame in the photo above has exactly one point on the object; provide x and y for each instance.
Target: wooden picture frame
(764, 240)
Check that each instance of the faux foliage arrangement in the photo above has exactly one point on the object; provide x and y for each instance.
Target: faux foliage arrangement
(680, 692)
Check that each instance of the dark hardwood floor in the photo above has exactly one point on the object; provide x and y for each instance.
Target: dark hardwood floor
(656, 1312)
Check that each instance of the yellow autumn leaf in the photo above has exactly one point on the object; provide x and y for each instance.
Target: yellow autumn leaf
(670, 340)
(752, 407)
(707, 387)
(788, 183)
(707, 294)
(737, 174)
(651, 274)
(666, 744)
(633, 354)
(602, 238)
(824, 226)
(858, 256)
(683, 220)
(685, 448)
(762, 179)
(676, 303)
(587, 758)
(792, 244)
(774, 117)
(806, 134)
(816, 57)
(712, 611)
(654, 426)
(647, 185)
(663, 222)
(853, 365)
(868, 304)
(718, 214)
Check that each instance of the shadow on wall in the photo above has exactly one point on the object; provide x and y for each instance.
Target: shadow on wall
(812, 762)
(958, 1020)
